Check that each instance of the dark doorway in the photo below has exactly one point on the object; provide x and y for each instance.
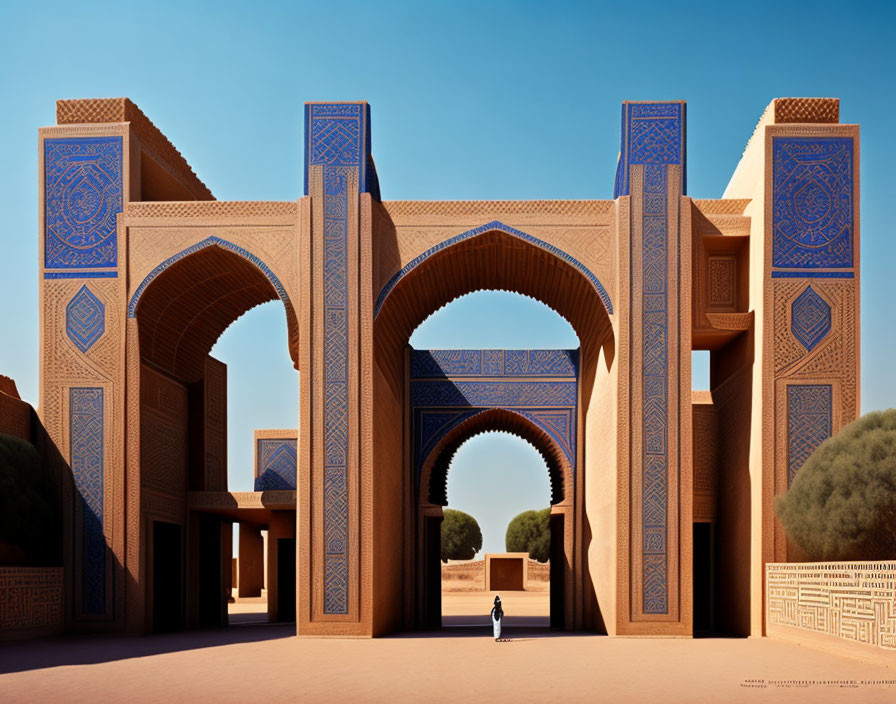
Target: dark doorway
(286, 579)
(212, 605)
(432, 572)
(558, 568)
(704, 582)
(167, 577)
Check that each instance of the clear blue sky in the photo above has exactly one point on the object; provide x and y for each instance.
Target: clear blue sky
(470, 100)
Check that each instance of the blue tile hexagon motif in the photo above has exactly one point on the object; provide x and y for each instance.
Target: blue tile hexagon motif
(812, 219)
(810, 318)
(277, 460)
(83, 196)
(85, 319)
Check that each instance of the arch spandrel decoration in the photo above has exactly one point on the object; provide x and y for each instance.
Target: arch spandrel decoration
(494, 226)
(448, 388)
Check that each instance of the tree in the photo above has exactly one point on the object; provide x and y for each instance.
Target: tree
(461, 537)
(842, 503)
(531, 532)
(29, 507)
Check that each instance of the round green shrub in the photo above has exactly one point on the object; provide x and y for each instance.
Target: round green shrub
(842, 502)
(530, 532)
(461, 537)
(29, 508)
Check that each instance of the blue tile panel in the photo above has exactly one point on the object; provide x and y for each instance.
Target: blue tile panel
(276, 461)
(652, 133)
(86, 456)
(449, 387)
(812, 202)
(81, 275)
(653, 136)
(813, 274)
(809, 422)
(83, 195)
(482, 229)
(337, 139)
(208, 242)
(436, 364)
(85, 319)
(810, 318)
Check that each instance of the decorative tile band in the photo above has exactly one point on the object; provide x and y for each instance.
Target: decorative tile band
(81, 275)
(652, 133)
(82, 197)
(809, 422)
(813, 275)
(86, 456)
(276, 462)
(208, 242)
(337, 139)
(494, 225)
(436, 364)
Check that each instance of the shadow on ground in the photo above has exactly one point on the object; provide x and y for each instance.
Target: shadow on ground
(20, 656)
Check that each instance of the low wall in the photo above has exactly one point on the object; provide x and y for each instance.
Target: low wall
(849, 607)
(30, 602)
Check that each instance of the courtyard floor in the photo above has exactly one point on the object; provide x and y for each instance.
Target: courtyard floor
(264, 663)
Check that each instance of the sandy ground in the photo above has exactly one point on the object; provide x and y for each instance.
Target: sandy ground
(265, 663)
(469, 608)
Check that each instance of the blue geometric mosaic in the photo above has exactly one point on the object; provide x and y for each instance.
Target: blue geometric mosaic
(337, 138)
(809, 422)
(810, 318)
(276, 461)
(86, 455)
(812, 208)
(85, 319)
(492, 226)
(448, 387)
(83, 196)
(652, 133)
(653, 136)
(209, 242)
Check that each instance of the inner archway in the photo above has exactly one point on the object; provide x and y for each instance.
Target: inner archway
(179, 468)
(492, 259)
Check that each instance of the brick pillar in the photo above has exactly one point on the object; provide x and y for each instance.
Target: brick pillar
(251, 561)
(333, 541)
(85, 182)
(655, 414)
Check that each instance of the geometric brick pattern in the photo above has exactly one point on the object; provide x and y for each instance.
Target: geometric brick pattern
(86, 459)
(335, 141)
(277, 461)
(30, 598)
(652, 133)
(448, 387)
(810, 319)
(855, 601)
(809, 422)
(85, 319)
(812, 206)
(83, 196)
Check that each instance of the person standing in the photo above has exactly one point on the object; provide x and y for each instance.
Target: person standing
(497, 617)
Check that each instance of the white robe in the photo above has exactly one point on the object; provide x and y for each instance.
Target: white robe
(496, 625)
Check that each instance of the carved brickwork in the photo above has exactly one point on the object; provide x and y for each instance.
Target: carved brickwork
(86, 457)
(706, 457)
(809, 422)
(818, 110)
(338, 145)
(83, 195)
(30, 600)
(855, 601)
(85, 319)
(722, 284)
(163, 434)
(215, 383)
